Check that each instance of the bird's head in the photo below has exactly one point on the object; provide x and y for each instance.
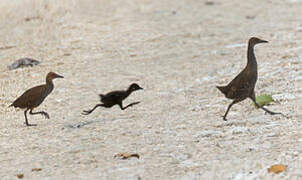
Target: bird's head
(134, 87)
(255, 40)
(51, 75)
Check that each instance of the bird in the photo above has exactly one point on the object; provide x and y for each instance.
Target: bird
(243, 85)
(115, 98)
(33, 97)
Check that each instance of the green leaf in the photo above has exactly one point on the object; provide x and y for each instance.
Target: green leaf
(264, 99)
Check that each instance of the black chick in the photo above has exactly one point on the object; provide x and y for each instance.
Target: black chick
(115, 98)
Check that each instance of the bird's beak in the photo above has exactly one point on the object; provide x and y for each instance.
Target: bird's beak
(263, 41)
(59, 76)
(140, 88)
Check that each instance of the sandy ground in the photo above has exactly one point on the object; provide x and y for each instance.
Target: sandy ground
(178, 51)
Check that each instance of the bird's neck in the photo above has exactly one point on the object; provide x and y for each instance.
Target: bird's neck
(49, 84)
(251, 59)
(128, 92)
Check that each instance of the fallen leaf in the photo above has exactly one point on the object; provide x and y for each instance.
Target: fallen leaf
(32, 18)
(263, 100)
(250, 17)
(286, 57)
(209, 3)
(6, 47)
(126, 156)
(36, 169)
(20, 176)
(67, 54)
(278, 168)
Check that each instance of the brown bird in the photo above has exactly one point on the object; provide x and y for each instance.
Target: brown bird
(115, 98)
(33, 97)
(243, 85)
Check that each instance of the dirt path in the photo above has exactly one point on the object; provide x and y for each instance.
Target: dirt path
(178, 51)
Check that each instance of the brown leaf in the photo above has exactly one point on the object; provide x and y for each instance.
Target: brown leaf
(20, 176)
(126, 156)
(32, 18)
(278, 168)
(60, 63)
(209, 3)
(36, 169)
(6, 47)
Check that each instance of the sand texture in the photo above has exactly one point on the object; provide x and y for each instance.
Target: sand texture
(178, 51)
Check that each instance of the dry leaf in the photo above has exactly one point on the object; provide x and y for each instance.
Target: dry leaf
(277, 168)
(6, 47)
(209, 3)
(126, 156)
(36, 169)
(20, 176)
(60, 63)
(32, 18)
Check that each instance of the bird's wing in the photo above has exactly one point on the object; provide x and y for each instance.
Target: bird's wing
(238, 91)
(29, 97)
(240, 86)
(113, 96)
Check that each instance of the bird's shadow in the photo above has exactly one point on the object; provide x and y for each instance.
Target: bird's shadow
(82, 124)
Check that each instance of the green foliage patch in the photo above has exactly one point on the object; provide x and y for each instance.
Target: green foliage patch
(263, 100)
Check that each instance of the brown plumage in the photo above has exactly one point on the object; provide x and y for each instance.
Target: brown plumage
(243, 85)
(33, 97)
(115, 98)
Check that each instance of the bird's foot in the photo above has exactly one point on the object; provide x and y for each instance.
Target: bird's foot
(224, 118)
(132, 104)
(27, 124)
(45, 114)
(129, 105)
(272, 113)
(86, 112)
(277, 113)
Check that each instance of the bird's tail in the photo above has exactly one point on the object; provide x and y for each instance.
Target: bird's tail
(101, 95)
(223, 89)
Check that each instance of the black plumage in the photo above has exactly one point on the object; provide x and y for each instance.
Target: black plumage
(115, 98)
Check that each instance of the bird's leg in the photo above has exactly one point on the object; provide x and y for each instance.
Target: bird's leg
(266, 110)
(253, 98)
(26, 121)
(86, 112)
(45, 114)
(227, 111)
(129, 105)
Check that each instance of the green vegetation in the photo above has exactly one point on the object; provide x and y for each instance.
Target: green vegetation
(264, 99)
